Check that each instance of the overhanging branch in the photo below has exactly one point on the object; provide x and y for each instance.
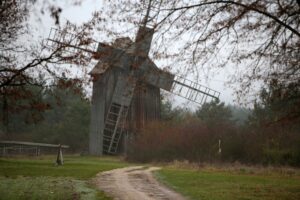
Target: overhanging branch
(252, 8)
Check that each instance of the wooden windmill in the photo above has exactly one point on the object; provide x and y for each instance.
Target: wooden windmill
(126, 87)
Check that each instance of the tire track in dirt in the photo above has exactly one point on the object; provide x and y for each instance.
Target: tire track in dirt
(134, 183)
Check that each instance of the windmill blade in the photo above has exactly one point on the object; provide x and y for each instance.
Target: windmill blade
(159, 78)
(143, 41)
(180, 86)
(193, 91)
(183, 87)
(124, 90)
(152, 8)
(117, 113)
(72, 43)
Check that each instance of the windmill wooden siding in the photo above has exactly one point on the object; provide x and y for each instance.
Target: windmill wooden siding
(103, 88)
(145, 107)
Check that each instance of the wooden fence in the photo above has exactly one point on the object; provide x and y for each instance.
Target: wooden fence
(8, 148)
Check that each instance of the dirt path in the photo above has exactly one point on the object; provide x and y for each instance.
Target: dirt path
(134, 183)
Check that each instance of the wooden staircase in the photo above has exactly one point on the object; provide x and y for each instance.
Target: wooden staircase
(116, 115)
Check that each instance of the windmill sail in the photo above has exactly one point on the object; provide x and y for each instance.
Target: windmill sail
(72, 43)
(180, 86)
(193, 91)
(143, 41)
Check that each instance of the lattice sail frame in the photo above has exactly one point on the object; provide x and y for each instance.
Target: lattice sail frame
(193, 91)
(72, 43)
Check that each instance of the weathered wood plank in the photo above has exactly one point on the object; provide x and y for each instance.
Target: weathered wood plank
(32, 144)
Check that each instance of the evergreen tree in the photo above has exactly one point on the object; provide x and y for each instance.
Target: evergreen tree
(214, 113)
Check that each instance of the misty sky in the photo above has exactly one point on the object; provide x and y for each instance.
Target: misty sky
(82, 13)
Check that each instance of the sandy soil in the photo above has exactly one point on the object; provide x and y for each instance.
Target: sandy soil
(134, 183)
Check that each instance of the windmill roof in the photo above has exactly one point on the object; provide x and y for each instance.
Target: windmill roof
(122, 43)
(120, 54)
(99, 68)
(102, 66)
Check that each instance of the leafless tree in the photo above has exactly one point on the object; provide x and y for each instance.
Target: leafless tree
(33, 65)
(21, 63)
(259, 39)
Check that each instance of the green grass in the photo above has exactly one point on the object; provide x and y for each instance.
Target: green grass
(74, 166)
(36, 188)
(38, 177)
(224, 185)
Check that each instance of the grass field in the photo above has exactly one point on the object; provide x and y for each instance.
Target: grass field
(208, 184)
(38, 177)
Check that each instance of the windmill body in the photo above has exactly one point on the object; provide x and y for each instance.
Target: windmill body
(118, 81)
(126, 88)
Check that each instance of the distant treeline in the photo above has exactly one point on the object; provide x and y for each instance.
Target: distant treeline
(58, 114)
(267, 134)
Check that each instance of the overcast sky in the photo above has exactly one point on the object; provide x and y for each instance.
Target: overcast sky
(82, 13)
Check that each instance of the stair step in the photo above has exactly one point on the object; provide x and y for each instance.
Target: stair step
(110, 123)
(114, 114)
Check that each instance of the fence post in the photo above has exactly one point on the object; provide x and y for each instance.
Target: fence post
(59, 159)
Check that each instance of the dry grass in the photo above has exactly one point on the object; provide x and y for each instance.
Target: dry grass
(235, 167)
